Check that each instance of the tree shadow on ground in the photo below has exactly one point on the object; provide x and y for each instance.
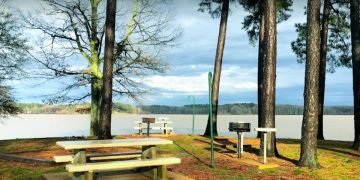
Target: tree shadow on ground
(339, 151)
(330, 145)
(224, 148)
(294, 161)
(193, 155)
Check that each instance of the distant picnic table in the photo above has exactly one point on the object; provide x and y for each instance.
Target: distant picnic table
(164, 125)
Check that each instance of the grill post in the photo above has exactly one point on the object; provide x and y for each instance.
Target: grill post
(239, 128)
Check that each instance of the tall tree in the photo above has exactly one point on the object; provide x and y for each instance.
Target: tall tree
(106, 105)
(12, 57)
(355, 42)
(224, 11)
(322, 66)
(308, 155)
(73, 31)
(254, 25)
(268, 71)
(334, 46)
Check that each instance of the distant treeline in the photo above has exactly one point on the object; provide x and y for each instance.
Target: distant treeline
(37, 108)
(231, 109)
(241, 109)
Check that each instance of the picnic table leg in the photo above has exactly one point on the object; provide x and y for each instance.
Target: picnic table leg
(162, 172)
(149, 152)
(165, 129)
(80, 158)
(140, 128)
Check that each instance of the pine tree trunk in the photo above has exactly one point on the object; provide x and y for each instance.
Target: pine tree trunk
(308, 155)
(105, 113)
(268, 71)
(260, 66)
(355, 42)
(322, 75)
(217, 68)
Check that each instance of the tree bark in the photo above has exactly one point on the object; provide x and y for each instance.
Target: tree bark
(96, 75)
(217, 68)
(268, 70)
(323, 56)
(106, 105)
(355, 48)
(96, 86)
(308, 155)
(260, 66)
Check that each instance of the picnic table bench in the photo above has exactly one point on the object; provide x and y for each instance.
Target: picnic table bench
(84, 167)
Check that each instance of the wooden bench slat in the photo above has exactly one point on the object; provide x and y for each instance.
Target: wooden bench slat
(168, 128)
(115, 157)
(65, 158)
(117, 165)
(95, 157)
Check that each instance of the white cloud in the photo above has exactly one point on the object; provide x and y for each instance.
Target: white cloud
(234, 79)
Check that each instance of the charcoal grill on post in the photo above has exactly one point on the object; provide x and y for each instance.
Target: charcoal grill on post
(239, 128)
(148, 121)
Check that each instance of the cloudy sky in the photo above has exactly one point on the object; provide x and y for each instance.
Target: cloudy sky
(194, 56)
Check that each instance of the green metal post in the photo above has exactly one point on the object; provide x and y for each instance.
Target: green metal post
(193, 111)
(211, 120)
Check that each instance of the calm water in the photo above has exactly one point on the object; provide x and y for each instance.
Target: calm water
(50, 125)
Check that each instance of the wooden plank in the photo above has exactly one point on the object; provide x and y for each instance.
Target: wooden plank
(117, 165)
(163, 122)
(157, 128)
(68, 145)
(95, 157)
(167, 128)
(265, 129)
(66, 158)
(115, 157)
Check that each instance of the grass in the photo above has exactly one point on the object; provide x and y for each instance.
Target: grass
(337, 160)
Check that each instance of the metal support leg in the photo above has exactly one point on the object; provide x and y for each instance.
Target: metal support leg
(265, 142)
(238, 145)
(148, 129)
(242, 142)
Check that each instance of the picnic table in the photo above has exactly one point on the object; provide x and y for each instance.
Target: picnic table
(82, 169)
(162, 121)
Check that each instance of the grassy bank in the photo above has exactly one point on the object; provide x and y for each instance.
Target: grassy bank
(338, 161)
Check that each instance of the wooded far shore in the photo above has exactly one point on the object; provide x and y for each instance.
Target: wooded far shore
(226, 109)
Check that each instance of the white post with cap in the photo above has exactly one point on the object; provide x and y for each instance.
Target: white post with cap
(265, 131)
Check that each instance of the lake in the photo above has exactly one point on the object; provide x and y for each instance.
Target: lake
(55, 125)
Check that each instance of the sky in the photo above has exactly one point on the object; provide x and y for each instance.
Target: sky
(193, 57)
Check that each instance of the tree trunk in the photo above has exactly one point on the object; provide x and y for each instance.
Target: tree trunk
(217, 68)
(260, 66)
(96, 86)
(268, 79)
(355, 48)
(96, 75)
(105, 113)
(308, 156)
(322, 75)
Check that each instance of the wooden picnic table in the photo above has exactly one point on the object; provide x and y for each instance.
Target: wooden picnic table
(79, 150)
(164, 126)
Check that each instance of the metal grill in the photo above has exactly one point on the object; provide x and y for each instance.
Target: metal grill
(239, 128)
